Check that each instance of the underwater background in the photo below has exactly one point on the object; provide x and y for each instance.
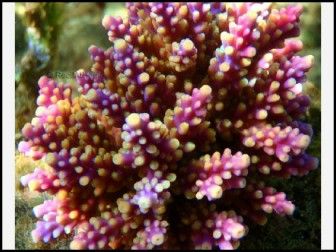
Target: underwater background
(52, 38)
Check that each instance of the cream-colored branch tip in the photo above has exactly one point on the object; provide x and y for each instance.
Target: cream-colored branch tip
(106, 21)
(77, 245)
(157, 239)
(216, 191)
(91, 95)
(120, 45)
(236, 230)
(187, 45)
(206, 90)
(143, 78)
(310, 60)
(304, 141)
(133, 120)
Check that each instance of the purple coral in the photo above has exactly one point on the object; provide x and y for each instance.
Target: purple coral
(168, 142)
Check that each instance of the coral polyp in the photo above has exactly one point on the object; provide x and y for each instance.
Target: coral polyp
(170, 138)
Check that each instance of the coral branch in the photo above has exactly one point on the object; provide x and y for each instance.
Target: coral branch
(134, 157)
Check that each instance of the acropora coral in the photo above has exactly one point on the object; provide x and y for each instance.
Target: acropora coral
(172, 134)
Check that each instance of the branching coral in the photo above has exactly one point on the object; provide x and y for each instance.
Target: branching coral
(174, 130)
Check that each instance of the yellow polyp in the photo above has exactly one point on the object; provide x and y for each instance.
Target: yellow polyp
(150, 90)
(309, 59)
(183, 128)
(50, 159)
(196, 121)
(189, 146)
(73, 214)
(219, 106)
(77, 245)
(245, 62)
(120, 44)
(59, 120)
(156, 134)
(277, 33)
(290, 95)
(96, 139)
(304, 141)
(151, 149)
(224, 67)
(33, 185)
(154, 165)
(246, 160)
(101, 244)
(218, 180)
(117, 159)
(206, 90)
(161, 30)
(174, 143)
(79, 169)
(258, 194)
(207, 165)
(133, 120)
(187, 45)
(157, 239)
(267, 208)
(283, 157)
(123, 206)
(226, 36)
(276, 166)
(238, 124)
(249, 142)
(80, 115)
(171, 177)
(41, 99)
(84, 180)
(243, 72)
(50, 119)
(278, 109)
(53, 99)
(261, 114)
(227, 123)
(273, 98)
(102, 172)
(217, 234)
(265, 169)
(216, 191)
(53, 146)
(199, 195)
(144, 202)
(260, 97)
(62, 194)
(139, 161)
(65, 144)
(259, 134)
(106, 21)
(229, 50)
(237, 231)
(143, 78)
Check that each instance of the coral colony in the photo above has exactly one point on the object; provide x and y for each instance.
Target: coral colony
(174, 131)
